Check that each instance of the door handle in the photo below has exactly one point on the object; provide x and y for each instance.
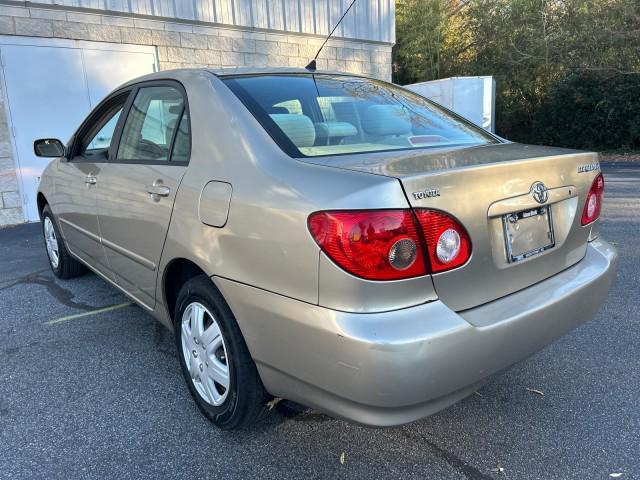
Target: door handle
(157, 189)
(90, 180)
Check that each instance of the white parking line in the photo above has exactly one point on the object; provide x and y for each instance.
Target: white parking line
(87, 314)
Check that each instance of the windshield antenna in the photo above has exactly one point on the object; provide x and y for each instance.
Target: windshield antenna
(312, 64)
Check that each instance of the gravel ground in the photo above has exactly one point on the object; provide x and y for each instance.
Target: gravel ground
(102, 395)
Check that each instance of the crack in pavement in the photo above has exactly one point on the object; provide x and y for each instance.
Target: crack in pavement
(61, 294)
(469, 471)
(16, 349)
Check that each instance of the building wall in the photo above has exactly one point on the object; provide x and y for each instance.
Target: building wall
(10, 202)
(368, 19)
(181, 42)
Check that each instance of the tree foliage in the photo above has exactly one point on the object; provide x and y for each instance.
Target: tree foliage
(537, 50)
(608, 109)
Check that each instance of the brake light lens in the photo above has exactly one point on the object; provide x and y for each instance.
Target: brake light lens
(448, 243)
(593, 204)
(390, 244)
(371, 244)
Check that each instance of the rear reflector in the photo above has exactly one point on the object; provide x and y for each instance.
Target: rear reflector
(593, 204)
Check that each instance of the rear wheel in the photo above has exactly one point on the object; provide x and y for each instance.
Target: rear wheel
(62, 263)
(214, 358)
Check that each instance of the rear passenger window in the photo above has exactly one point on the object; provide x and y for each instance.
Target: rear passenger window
(153, 119)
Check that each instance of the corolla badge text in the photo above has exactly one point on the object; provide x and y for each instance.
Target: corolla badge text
(590, 167)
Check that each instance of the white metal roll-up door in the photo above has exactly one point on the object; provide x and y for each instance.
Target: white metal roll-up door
(50, 85)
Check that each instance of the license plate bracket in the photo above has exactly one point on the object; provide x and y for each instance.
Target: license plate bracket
(528, 233)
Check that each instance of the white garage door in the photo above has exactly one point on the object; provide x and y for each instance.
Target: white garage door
(50, 85)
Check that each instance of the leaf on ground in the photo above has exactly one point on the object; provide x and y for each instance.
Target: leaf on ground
(479, 394)
(273, 402)
(537, 392)
(342, 458)
(615, 475)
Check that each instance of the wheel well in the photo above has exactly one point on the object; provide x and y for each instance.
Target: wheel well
(41, 201)
(177, 273)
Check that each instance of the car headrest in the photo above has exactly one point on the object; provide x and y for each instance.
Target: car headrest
(299, 128)
(386, 120)
(278, 110)
(335, 129)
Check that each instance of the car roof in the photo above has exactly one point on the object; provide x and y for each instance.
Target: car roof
(226, 71)
(233, 71)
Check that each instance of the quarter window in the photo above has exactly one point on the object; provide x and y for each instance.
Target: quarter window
(152, 122)
(102, 139)
(98, 135)
(182, 144)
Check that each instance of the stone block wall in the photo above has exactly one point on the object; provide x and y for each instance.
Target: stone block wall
(178, 44)
(10, 204)
(181, 44)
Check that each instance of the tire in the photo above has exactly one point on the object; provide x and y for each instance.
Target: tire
(237, 400)
(62, 264)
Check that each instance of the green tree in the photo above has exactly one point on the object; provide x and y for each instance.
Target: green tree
(423, 29)
(529, 46)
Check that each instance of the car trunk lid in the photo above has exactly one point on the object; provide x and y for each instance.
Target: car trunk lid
(517, 241)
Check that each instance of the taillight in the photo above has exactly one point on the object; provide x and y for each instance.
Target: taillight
(388, 244)
(372, 244)
(593, 204)
(448, 243)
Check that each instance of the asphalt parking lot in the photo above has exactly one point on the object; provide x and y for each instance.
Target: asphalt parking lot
(89, 393)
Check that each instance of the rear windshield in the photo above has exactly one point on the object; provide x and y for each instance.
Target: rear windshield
(315, 115)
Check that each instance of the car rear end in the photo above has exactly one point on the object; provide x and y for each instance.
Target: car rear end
(494, 254)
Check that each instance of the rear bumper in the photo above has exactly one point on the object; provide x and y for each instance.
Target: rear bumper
(395, 367)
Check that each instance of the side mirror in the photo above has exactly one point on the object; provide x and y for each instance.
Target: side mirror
(49, 147)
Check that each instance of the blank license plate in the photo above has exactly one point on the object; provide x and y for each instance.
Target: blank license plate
(528, 233)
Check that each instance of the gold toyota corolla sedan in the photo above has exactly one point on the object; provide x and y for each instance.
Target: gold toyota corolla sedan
(325, 238)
